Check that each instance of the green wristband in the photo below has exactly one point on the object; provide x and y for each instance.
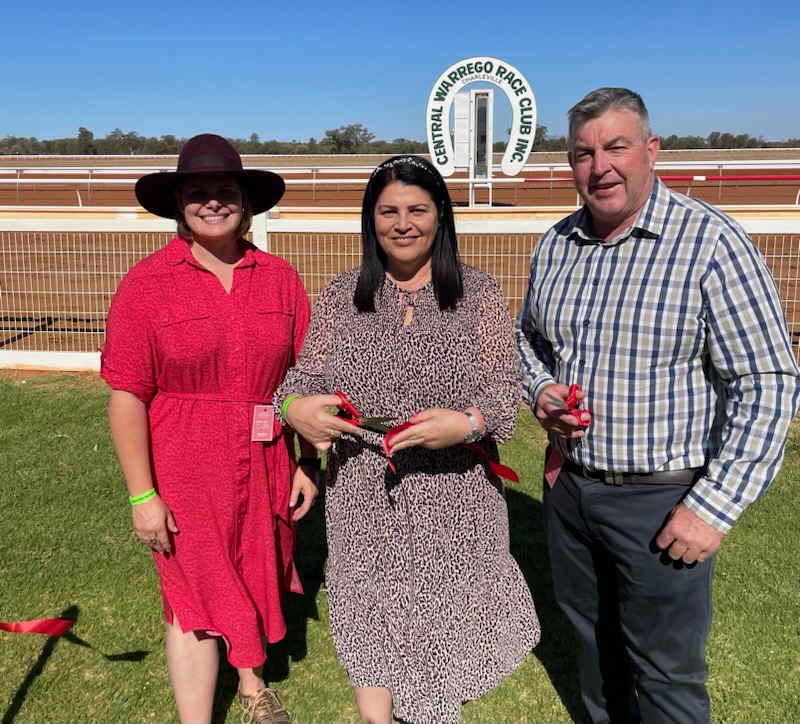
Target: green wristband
(142, 497)
(291, 398)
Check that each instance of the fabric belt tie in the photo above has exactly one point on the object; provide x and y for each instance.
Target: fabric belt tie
(217, 397)
(687, 476)
(277, 427)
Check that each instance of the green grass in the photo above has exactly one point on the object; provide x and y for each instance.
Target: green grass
(67, 549)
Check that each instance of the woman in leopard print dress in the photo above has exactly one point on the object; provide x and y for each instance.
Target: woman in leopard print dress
(428, 608)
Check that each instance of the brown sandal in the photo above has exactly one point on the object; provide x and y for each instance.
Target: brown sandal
(262, 707)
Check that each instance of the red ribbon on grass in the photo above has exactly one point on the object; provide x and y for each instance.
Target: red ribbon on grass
(47, 626)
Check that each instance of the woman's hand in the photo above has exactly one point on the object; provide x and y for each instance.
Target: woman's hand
(153, 523)
(311, 417)
(304, 484)
(435, 428)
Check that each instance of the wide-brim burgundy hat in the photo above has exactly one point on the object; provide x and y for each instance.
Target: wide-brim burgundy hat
(208, 153)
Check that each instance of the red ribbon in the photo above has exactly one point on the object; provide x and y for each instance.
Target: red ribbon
(388, 437)
(584, 416)
(498, 469)
(47, 626)
(502, 471)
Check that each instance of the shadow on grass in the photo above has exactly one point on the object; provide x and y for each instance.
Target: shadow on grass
(70, 614)
(556, 650)
(311, 552)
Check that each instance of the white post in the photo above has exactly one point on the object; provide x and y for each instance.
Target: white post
(259, 231)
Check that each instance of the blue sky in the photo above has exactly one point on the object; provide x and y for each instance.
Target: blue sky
(292, 69)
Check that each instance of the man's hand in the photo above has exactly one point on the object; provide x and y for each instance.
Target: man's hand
(554, 415)
(687, 537)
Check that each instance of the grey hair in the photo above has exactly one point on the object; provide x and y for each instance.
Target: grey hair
(602, 100)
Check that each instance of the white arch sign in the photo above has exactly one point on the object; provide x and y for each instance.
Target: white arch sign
(504, 76)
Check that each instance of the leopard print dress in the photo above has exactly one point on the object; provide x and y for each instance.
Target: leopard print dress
(425, 597)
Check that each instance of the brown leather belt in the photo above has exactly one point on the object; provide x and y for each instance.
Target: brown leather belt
(687, 476)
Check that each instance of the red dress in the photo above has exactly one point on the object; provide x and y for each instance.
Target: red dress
(201, 359)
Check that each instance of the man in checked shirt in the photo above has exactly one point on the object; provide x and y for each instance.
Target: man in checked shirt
(661, 308)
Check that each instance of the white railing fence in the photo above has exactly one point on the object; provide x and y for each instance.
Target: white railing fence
(60, 267)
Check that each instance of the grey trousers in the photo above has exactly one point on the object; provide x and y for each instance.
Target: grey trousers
(642, 621)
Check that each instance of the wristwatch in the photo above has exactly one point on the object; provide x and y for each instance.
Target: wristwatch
(310, 462)
(475, 433)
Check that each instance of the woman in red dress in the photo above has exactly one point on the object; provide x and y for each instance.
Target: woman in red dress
(198, 337)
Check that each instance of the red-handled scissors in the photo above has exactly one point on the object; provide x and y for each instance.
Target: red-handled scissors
(584, 416)
(349, 412)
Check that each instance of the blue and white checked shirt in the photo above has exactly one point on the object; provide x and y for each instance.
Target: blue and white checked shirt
(676, 332)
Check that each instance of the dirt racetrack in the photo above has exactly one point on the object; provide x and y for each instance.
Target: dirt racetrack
(55, 286)
(336, 181)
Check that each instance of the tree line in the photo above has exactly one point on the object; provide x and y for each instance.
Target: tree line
(349, 139)
(543, 141)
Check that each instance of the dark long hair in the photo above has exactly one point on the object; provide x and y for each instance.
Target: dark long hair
(445, 263)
